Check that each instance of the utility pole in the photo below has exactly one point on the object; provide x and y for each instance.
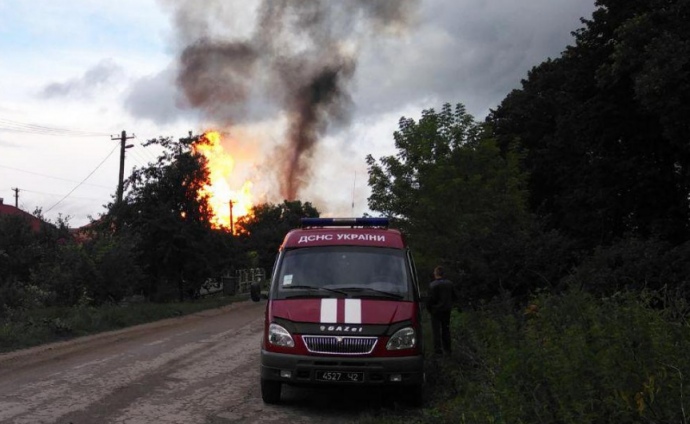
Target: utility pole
(182, 140)
(16, 197)
(123, 139)
(232, 225)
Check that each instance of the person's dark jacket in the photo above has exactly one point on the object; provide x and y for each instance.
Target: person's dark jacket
(441, 296)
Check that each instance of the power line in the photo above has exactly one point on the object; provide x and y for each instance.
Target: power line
(50, 176)
(7, 124)
(151, 157)
(58, 195)
(82, 182)
(138, 158)
(22, 127)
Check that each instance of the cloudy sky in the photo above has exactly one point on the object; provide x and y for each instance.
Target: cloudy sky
(75, 73)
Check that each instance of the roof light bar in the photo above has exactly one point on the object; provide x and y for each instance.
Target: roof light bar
(344, 222)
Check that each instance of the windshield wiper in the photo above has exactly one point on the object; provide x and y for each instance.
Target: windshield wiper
(372, 292)
(312, 288)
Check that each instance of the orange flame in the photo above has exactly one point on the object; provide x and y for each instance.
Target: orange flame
(221, 197)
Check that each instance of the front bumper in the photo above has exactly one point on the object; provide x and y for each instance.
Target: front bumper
(395, 371)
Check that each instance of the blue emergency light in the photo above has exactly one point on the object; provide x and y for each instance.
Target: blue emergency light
(344, 222)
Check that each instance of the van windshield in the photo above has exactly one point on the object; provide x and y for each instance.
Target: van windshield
(354, 271)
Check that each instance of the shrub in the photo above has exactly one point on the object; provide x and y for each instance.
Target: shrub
(635, 264)
(570, 358)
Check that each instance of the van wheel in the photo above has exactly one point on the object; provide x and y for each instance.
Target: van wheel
(270, 391)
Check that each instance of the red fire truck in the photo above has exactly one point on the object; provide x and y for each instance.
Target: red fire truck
(343, 309)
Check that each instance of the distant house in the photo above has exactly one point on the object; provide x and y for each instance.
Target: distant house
(84, 233)
(11, 210)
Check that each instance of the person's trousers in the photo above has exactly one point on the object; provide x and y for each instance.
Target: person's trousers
(440, 328)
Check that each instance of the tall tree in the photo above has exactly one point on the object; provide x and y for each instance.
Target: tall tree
(263, 230)
(601, 127)
(459, 200)
(179, 249)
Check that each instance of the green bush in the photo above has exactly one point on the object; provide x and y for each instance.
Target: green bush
(21, 328)
(570, 358)
(637, 264)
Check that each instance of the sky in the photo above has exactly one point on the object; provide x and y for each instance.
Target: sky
(74, 74)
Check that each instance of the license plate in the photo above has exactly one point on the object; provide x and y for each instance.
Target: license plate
(353, 377)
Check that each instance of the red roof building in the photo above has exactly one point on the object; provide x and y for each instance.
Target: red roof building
(11, 210)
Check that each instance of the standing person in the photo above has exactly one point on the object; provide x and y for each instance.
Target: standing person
(439, 305)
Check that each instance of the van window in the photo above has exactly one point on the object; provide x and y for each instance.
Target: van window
(343, 268)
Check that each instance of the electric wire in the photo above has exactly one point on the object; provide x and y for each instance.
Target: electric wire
(22, 127)
(50, 176)
(57, 195)
(151, 157)
(82, 182)
(141, 160)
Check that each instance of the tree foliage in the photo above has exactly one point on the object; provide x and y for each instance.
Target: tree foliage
(20, 249)
(603, 128)
(178, 249)
(52, 268)
(263, 230)
(460, 201)
(568, 358)
(159, 242)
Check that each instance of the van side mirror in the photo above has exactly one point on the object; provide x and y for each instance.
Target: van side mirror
(255, 291)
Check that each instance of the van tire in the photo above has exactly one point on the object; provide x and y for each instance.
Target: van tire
(270, 391)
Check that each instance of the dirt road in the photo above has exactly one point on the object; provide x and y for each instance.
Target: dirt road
(202, 368)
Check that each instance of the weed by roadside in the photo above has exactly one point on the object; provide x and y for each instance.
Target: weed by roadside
(567, 358)
(26, 328)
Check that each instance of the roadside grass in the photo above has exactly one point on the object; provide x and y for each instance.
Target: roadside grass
(569, 358)
(28, 328)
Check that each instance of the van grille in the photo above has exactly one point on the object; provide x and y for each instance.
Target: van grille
(340, 345)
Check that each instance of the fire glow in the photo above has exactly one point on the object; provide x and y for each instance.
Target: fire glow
(222, 198)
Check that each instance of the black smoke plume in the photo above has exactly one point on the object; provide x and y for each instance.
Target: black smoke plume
(299, 61)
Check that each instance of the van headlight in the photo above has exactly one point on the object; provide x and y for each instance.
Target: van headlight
(405, 338)
(279, 336)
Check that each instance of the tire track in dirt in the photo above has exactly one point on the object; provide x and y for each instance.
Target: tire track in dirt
(196, 369)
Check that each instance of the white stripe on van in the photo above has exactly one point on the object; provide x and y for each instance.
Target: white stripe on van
(353, 311)
(329, 310)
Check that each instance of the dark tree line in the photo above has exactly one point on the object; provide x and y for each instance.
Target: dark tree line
(263, 231)
(158, 243)
(463, 204)
(582, 175)
(604, 128)
(589, 176)
(179, 248)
